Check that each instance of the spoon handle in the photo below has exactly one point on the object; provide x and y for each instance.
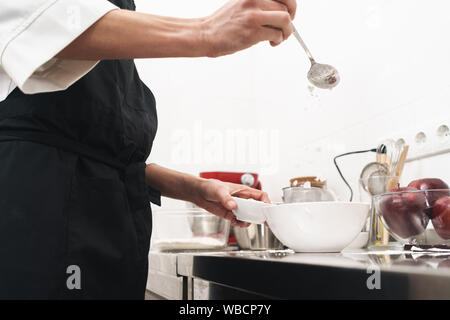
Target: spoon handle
(302, 43)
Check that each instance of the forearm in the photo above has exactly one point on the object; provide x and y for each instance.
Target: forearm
(238, 25)
(212, 195)
(171, 183)
(123, 34)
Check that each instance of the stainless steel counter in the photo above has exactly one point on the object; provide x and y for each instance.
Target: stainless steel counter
(288, 275)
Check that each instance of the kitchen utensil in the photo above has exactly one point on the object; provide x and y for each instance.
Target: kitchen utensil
(320, 75)
(375, 184)
(386, 152)
(256, 237)
(399, 145)
(249, 210)
(190, 229)
(374, 178)
(313, 182)
(307, 189)
(415, 217)
(200, 225)
(317, 226)
(394, 181)
(305, 194)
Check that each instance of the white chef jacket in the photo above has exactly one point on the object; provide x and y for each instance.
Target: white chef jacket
(33, 32)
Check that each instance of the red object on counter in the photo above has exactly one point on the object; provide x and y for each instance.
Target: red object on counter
(245, 178)
(404, 211)
(431, 184)
(441, 217)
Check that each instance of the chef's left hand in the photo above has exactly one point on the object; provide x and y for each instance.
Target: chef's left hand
(216, 197)
(212, 195)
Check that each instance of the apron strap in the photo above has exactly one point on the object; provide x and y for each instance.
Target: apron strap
(61, 143)
(139, 194)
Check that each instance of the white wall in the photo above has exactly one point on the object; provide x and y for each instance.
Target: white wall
(393, 56)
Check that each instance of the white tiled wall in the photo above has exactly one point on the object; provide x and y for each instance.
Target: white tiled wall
(255, 111)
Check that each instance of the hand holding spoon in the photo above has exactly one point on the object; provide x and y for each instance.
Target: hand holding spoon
(320, 75)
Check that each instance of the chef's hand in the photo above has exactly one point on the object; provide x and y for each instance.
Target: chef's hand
(241, 24)
(216, 197)
(212, 195)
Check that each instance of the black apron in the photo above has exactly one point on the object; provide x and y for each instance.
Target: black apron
(75, 218)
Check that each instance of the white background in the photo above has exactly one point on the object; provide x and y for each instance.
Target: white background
(394, 59)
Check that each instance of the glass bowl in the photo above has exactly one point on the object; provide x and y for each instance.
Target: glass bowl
(189, 229)
(303, 194)
(416, 217)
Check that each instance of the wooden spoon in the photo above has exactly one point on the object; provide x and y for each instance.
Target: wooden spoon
(394, 181)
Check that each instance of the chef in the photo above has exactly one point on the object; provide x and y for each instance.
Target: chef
(76, 127)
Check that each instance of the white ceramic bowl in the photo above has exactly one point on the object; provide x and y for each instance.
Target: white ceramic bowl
(317, 226)
(249, 210)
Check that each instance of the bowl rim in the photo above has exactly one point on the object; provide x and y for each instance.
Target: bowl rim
(408, 191)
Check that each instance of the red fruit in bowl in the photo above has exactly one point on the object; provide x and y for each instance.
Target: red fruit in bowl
(404, 212)
(431, 184)
(441, 217)
(428, 184)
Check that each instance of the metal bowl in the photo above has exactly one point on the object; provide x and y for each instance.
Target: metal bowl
(206, 225)
(256, 237)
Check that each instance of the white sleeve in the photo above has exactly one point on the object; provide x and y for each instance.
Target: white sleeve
(33, 32)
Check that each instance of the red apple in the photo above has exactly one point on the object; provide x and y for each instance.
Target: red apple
(404, 213)
(431, 184)
(441, 217)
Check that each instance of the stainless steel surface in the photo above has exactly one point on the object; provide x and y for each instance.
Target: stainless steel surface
(163, 262)
(153, 296)
(320, 75)
(201, 289)
(228, 275)
(190, 288)
(303, 194)
(165, 285)
(256, 237)
(303, 44)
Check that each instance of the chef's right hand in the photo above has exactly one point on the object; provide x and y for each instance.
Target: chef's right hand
(241, 24)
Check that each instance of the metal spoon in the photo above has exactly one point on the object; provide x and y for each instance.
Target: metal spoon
(320, 75)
